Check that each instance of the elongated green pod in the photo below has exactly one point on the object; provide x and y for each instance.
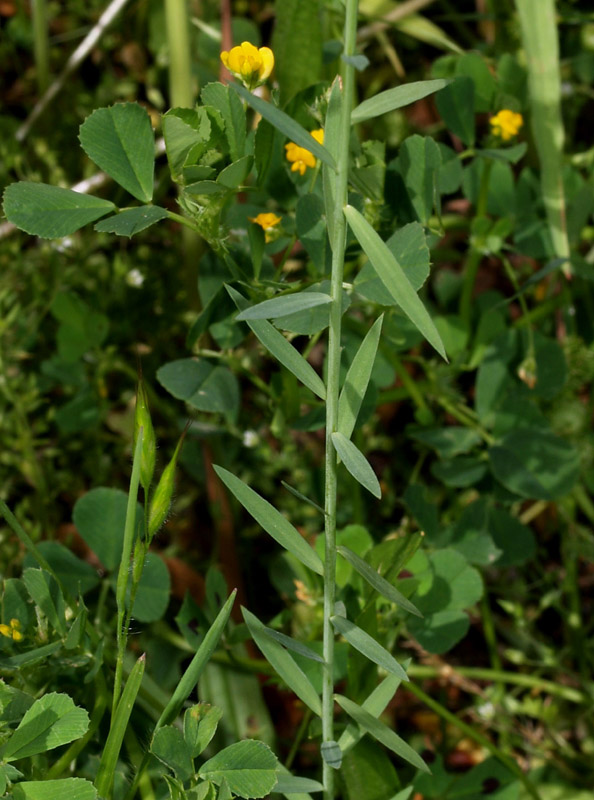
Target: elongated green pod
(119, 723)
(142, 419)
(541, 45)
(161, 500)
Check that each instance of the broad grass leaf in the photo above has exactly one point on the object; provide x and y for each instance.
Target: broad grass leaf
(60, 789)
(50, 211)
(381, 732)
(455, 104)
(271, 520)
(357, 380)
(285, 124)
(375, 580)
(249, 767)
(50, 722)
(283, 663)
(120, 140)
(395, 98)
(132, 220)
(281, 349)
(368, 646)
(356, 464)
(284, 305)
(393, 277)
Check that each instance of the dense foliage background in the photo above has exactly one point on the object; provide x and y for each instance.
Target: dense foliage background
(490, 456)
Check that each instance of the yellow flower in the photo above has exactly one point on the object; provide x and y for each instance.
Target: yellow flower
(12, 631)
(506, 124)
(301, 158)
(267, 222)
(250, 64)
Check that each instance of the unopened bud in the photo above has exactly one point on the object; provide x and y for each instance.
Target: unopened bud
(161, 500)
(142, 419)
(527, 372)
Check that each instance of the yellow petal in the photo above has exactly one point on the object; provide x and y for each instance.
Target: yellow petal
(267, 57)
(318, 135)
(235, 60)
(5, 631)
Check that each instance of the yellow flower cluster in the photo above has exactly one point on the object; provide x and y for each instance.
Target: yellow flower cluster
(12, 630)
(506, 124)
(250, 64)
(301, 158)
(266, 221)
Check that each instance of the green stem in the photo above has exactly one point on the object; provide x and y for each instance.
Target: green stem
(298, 738)
(475, 255)
(333, 387)
(181, 80)
(40, 44)
(124, 570)
(473, 734)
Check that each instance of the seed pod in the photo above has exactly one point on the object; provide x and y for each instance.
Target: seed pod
(161, 500)
(142, 419)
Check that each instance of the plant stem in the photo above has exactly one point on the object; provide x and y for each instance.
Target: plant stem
(333, 386)
(124, 570)
(40, 43)
(181, 81)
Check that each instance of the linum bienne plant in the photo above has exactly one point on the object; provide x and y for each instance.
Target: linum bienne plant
(211, 161)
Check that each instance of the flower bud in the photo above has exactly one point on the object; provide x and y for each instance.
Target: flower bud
(161, 499)
(142, 419)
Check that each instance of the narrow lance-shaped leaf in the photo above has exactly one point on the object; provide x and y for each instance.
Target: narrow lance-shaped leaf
(291, 784)
(374, 704)
(285, 124)
(381, 732)
(113, 745)
(272, 521)
(392, 276)
(50, 211)
(287, 304)
(357, 464)
(357, 380)
(368, 646)
(293, 644)
(375, 580)
(281, 349)
(395, 98)
(121, 142)
(283, 663)
(194, 671)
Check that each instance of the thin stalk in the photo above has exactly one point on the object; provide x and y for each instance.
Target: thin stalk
(40, 43)
(333, 387)
(124, 570)
(475, 256)
(181, 81)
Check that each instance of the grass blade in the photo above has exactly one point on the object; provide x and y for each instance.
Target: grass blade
(357, 380)
(395, 98)
(282, 306)
(113, 745)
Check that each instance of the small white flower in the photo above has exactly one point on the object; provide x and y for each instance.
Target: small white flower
(135, 278)
(250, 438)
